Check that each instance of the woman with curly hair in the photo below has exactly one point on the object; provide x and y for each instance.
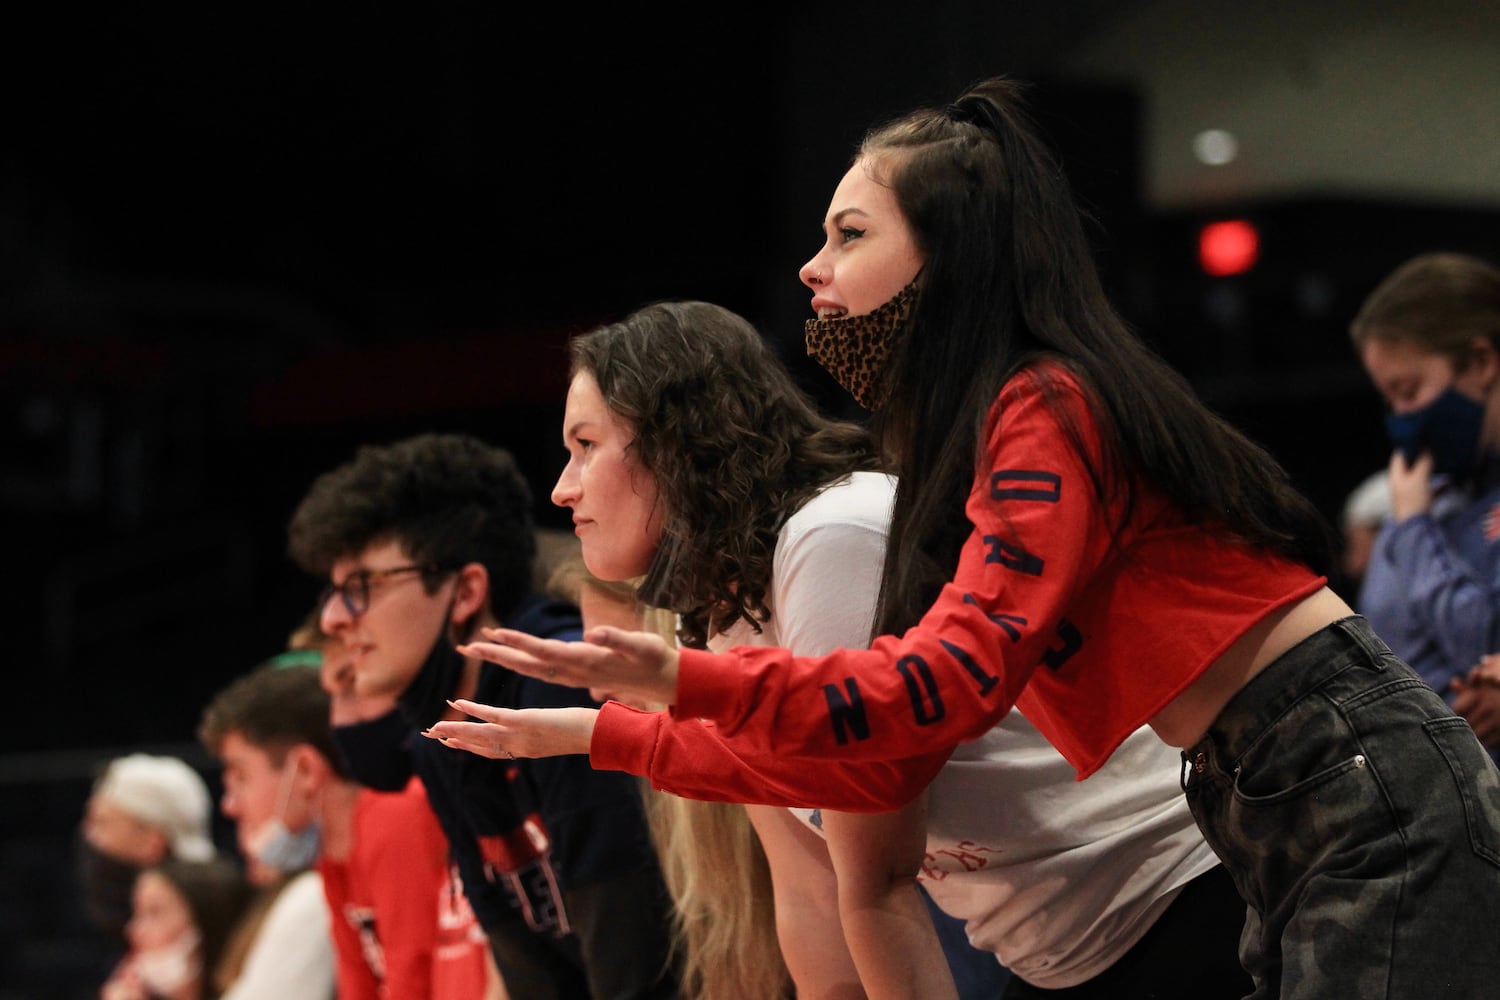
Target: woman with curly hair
(695, 462)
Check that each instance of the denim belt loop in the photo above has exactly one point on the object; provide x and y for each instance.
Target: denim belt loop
(1358, 630)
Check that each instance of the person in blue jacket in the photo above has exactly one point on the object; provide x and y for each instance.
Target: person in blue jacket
(1429, 337)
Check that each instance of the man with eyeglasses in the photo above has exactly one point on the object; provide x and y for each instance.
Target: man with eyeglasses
(422, 543)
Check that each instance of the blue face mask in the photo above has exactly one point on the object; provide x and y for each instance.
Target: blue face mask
(276, 845)
(1448, 427)
(288, 850)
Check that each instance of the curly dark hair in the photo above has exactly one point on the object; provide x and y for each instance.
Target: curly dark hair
(734, 445)
(448, 499)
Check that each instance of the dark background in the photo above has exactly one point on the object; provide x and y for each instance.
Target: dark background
(236, 245)
(239, 240)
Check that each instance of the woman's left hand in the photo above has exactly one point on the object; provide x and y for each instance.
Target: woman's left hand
(509, 733)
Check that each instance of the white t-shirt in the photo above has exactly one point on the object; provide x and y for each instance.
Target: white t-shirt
(1057, 877)
(292, 957)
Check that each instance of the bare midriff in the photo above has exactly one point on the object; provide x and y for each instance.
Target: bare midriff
(1187, 717)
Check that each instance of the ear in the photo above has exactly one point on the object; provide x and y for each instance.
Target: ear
(471, 592)
(309, 764)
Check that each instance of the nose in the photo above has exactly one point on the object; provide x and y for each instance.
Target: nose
(813, 273)
(334, 618)
(566, 492)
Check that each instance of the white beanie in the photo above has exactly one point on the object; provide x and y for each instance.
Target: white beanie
(1369, 502)
(166, 793)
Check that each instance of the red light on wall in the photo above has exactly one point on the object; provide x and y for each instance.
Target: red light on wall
(1228, 248)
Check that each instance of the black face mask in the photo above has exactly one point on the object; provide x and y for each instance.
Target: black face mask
(107, 884)
(377, 752)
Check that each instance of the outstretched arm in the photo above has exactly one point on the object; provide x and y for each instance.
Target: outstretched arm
(1040, 530)
(684, 756)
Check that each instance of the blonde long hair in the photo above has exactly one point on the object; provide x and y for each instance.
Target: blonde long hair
(723, 909)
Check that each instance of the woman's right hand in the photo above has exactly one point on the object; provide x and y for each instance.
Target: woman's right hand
(510, 733)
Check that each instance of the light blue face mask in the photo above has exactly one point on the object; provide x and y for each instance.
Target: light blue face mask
(1448, 427)
(279, 847)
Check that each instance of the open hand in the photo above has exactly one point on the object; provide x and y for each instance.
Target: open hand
(635, 664)
(509, 733)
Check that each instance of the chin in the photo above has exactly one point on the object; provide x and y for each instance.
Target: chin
(610, 568)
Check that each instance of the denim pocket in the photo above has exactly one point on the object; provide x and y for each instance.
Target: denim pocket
(1310, 745)
(1477, 782)
(1243, 782)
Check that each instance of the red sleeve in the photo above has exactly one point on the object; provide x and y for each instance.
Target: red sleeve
(408, 874)
(688, 757)
(1038, 534)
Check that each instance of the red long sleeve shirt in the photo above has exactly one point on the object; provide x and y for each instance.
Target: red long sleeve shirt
(1090, 635)
(689, 757)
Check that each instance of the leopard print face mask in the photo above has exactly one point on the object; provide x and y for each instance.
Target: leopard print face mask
(855, 349)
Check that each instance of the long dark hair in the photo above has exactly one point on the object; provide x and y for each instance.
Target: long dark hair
(734, 445)
(1009, 279)
(217, 896)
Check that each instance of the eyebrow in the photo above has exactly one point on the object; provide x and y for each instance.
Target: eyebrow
(838, 216)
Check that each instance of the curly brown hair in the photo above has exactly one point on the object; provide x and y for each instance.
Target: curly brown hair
(448, 499)
(734, 445)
